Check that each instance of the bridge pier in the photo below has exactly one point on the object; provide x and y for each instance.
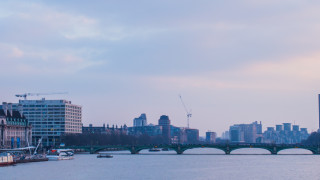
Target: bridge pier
(274, 151)
(133, 150)
(227, 151)
(179, 150)
(92, 150)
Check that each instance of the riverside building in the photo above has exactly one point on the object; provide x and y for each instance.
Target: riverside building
(50, 119)
(15, 130)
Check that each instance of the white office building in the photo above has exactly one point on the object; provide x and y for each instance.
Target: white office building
(51, 118)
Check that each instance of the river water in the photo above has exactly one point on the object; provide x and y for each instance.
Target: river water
(194, 164)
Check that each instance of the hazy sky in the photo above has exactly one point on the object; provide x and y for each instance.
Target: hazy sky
(232, 61)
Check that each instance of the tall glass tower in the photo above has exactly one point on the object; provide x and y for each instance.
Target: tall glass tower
(319, 111)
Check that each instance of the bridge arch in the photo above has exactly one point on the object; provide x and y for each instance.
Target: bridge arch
(268, 150)
(204, 148)
(297, 150)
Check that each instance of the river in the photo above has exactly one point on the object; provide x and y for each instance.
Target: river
(194, 164)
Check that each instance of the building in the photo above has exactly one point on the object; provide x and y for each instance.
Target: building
(249, 133)
(285, 135)
(164, 122)
(177, 135)
(235, 134)
(50, 119)
(225, 135)
(287, 127)
(104, 130)
(211, 137)
(140, 121)
(15, 130)
(170, 134)
(192, 135)
(94, 130)
(295, 128)
(279, 128)
(140, 127)
(150, 130)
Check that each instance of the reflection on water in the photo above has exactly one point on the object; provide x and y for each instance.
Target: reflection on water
(168, 165)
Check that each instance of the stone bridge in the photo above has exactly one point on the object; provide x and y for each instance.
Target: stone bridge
(180, 148)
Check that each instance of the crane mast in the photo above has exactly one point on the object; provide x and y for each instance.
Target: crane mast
(187, 111)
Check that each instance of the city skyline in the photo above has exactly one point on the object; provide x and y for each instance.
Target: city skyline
(119, 60)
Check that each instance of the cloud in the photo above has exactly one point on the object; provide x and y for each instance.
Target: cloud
(10, 51)
(43, 61)
(294, 74)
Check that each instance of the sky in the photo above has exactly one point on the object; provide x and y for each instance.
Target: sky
(232, 61)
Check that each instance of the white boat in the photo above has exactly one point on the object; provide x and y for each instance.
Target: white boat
(60, 154)
(6, 159)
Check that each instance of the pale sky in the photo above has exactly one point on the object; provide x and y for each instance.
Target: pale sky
(232, 61)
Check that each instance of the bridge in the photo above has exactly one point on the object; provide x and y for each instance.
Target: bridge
(180, 148)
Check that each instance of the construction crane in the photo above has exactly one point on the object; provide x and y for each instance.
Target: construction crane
(38, 94)
(186, 109)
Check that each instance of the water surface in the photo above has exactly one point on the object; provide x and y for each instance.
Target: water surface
(194, 164)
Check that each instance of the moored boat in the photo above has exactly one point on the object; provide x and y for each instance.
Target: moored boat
(104, 156)
(32, 158)
(60, 154)
(6, 159)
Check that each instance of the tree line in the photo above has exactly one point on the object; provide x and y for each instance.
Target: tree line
(109, 139)
(313, 139)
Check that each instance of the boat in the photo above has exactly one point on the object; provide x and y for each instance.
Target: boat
(6, 159)
(31, 158)
(165, 149)
(20, 155)
(60, 154)
(154, 150)
(104, 156)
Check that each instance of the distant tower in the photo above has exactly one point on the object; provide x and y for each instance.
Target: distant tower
(164, 122)
(140, 121)
(319, 109)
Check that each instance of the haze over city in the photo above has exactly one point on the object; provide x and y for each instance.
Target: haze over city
(232, 62)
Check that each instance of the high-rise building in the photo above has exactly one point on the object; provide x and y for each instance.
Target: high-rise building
(225, 135)
(279, 128)
(164, 122)
(140, 121)
(235, 134)
(285, 136)
(250, 133)
(287, 126)
(211, 137)
(319, 109)
(295, 128)
(50, 119)
(192, 135)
